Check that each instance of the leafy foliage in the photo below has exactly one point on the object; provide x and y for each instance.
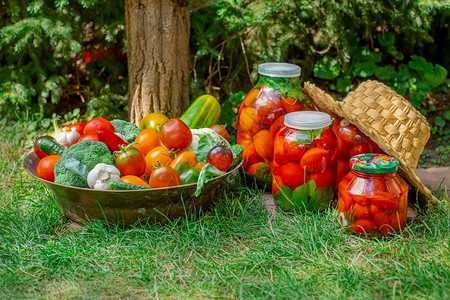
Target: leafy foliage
(332, 40)
(72, 51)
(305, 197)
(60, 50)
(416, 78)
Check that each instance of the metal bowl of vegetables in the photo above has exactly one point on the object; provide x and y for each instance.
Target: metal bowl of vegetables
(86, 182)
(129, 207)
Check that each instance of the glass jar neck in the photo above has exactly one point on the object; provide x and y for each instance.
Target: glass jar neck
(274, 82)
(370, 175)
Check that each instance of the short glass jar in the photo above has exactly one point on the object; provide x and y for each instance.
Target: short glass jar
(304, 162)
(373, 198)
(261, 115)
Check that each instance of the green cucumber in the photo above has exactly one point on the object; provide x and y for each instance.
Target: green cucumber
(122, 186)
(50, 147)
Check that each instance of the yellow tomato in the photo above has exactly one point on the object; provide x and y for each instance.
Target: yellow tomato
(152, 120)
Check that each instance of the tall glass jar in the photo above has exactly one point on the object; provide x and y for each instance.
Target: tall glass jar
(351, 141)
(373, 198)
(261, 115)
(304, 162)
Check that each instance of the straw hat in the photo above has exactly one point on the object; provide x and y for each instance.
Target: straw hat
(388, 119)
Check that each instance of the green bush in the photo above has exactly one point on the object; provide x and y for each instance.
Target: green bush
(53, 51)
(60, 55)
(336, 41)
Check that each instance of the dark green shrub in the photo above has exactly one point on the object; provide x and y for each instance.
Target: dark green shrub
(57, 53)
(342, 42)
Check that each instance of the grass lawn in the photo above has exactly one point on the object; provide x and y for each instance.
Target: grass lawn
(236, 250)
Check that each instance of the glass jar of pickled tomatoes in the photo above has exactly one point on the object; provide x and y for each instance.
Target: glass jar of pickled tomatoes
(373, 198)
(304, 162)
(350, 141)
(261, 115)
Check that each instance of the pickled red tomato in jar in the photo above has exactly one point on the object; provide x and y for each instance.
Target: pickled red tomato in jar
(373, 198)
(350, 142)
(304, 162)
(261, 113)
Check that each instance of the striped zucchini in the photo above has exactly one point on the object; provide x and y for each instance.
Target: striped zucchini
(203, 112)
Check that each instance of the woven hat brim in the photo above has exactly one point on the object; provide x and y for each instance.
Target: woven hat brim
(354, 114)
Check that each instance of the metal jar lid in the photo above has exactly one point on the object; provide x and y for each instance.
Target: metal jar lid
(278, 69)
(307, 120)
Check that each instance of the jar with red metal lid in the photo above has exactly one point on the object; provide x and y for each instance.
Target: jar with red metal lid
(261, 115)
(304, 162)
(351, 141)
(373, 198)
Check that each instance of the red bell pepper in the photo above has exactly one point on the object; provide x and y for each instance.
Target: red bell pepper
(111, 140)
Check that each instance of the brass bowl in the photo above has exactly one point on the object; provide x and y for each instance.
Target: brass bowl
(126, 208)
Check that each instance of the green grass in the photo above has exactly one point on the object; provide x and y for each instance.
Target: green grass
(236, 250)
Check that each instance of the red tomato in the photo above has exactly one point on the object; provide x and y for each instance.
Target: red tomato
(158, 156)
(345, 201)
(384, 200)
(381, 219)
(341, 207)
(253, 169)
(364, 225)
(263, 142)
(220, 157)
(164, 176)
(343, 150)
(279, 156)
(292, 175)
(294, 151)
(130, 161)
(268, 106)
(323, 179)
(348, 133)
(363, 200)
(342, 169)
(250, 98)
(175, 135)
(97, 124)
(334, 157)
(78, 127)
(290, 105)
(242, 138)
(249, 154)
(248, 121)
(92, 136)
(361, 211)
(360, 149)
(276, 126)
(147, 140)
(315, 160)
(327, 139)
(37, 148)
(221, 131)
(46, 167)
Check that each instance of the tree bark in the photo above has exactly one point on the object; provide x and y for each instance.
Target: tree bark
(158, 57)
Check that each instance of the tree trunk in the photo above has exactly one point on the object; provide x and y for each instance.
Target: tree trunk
(158, 57)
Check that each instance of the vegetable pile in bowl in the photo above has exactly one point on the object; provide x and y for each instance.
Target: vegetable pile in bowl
(118, 155)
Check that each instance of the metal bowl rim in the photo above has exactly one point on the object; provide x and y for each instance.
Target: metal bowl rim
(183, 186)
